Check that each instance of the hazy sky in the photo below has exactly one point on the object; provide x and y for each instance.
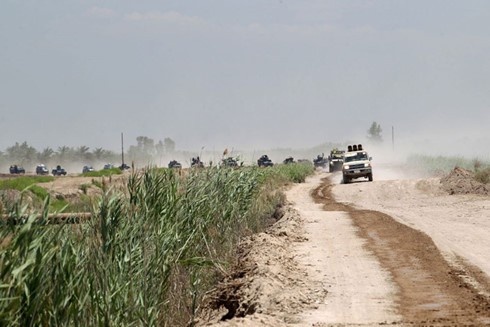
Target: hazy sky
(245, 74)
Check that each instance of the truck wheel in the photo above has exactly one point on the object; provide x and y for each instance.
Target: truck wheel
(345, 180)
(330, 169)
(370, 177)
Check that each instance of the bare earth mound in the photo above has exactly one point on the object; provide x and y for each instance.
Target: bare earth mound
(462, 181)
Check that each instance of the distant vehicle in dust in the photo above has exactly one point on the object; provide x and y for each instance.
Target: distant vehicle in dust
(87, 169)
(320, 161)
(265, 161)
(174, 164)
(197, 163)
(335, 160)
(124, 167)
(14, 169)
(229, 162)
(288, 160)
(42, 170)
(58, 171)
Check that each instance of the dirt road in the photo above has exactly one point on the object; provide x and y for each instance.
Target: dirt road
(394, 251)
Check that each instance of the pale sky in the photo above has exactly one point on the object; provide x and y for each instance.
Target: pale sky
(250, 74)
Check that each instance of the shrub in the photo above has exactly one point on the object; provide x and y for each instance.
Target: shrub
(483, 175)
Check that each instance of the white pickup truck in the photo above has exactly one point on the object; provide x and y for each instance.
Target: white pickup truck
(357, 163)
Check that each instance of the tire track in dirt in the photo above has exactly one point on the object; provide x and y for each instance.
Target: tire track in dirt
(431, 292)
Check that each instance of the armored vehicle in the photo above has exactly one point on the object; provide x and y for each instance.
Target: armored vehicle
(41, 170)
(335, 160)
(174, 164)
(14, 169)
(264, 161)
(320, 161)
(58, 171)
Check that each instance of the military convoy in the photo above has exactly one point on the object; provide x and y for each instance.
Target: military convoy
(354, 163)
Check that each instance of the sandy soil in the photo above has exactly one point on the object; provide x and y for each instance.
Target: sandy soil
(359, 290)
(458, 224)
(395, 251)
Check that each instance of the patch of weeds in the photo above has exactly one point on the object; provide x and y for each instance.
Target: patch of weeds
(84, 187)
(98, 184)
(39, 192)
(483, 175)
(58, 205)
(102, 173)
(21, 183)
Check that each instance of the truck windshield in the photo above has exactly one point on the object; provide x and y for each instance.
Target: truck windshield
(358, 157)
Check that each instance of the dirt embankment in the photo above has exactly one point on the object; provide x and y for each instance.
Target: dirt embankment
(267, 287)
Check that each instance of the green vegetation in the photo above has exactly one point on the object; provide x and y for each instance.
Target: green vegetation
(102, 173)
(296, 172)
(441, 164)
(483, 175)
(21, 183)
(145, 258)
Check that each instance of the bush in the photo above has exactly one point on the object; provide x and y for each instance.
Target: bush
(483, 175)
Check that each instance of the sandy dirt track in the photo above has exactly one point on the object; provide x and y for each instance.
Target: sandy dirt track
(359, 290)
(395, 251)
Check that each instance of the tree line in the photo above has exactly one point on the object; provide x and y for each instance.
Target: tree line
(145, 150)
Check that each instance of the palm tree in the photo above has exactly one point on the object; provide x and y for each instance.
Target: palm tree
(99, 153)
(82, 153)
(63, 153)
(45, 155)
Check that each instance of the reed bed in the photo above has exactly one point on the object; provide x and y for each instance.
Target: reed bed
(444, 164)
(147, 257)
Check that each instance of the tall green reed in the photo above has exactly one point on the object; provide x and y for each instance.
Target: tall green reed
(145, 258)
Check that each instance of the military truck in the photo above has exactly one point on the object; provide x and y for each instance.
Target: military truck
(229, 162)
(264, 161)
(14, 169)
(320, 161)
(357, 163)
(58, 171)
(174, 164)
(335, 160)
(41, 170)
(197, 163)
